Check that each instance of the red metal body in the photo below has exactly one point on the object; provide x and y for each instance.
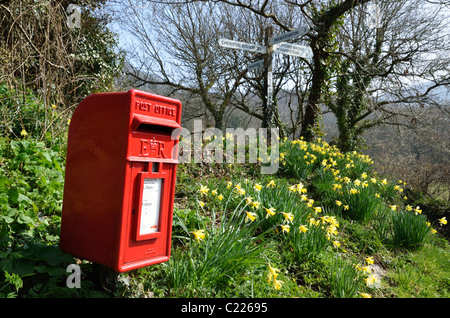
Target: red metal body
(120, 179)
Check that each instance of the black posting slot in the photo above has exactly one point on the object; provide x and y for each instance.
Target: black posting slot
(154, 129)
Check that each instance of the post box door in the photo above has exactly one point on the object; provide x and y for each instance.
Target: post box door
(150, 222)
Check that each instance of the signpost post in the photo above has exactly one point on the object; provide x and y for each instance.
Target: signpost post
(272, 44)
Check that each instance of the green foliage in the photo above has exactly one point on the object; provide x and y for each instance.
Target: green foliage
(409, 230)
(271, 236)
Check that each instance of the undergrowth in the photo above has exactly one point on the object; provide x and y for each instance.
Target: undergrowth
(324, 226)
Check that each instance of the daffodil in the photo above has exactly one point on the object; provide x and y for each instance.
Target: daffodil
(255, 204)
(24, 132)
(273, 274)
(202, 204)
(258, 187)
(270, 212)
(369, 260)
(365, 295)
(338, 203)
(220, 197)
(336, 243)
(393, 207)
(285, 228)
(277, 284)
(442, 221)
(303, 228)
(214, 192)
(199, 235)
(203, 190)
(318, 209)
(271, 184)
(250, 216)
(288, 216)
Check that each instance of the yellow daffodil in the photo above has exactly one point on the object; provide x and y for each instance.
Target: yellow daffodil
(203, 190)
(303, 229)
(288, 216)
(285, 228)
(442, 221)
(336, 243)
(250, 216)
(273, 273)
(365, 295)
(202, 204)
(24, 132)
(214, 192)
(270, 212)
(346, 207)
(353, 191)
(255, 204)
(199, 235)
(369, 260)
(258, 187)
(277, 284)
(220, 197)
(417, 210)
(338, 203)
(271, 184)
(318, 209)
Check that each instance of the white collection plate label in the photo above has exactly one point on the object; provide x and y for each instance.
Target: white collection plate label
(151, 199)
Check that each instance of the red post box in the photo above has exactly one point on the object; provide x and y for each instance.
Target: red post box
(120, 179)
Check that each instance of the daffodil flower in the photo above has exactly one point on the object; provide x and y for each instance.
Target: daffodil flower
(258, 187)
(250, 216)
(303, 229)
(203, 190)
(273, 273)
(288, 216)
(285, 228)
(277, 284)
(442, 221)
(336, 243)
(199, 235)
(270, 212)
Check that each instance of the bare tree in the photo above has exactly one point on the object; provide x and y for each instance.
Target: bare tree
(380, 64)
(176, 45)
